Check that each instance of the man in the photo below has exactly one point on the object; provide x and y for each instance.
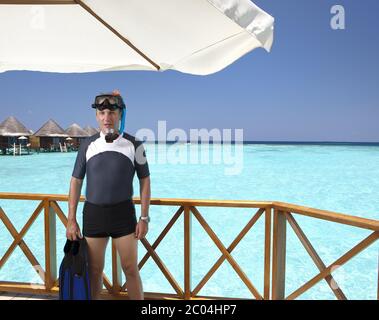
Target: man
(110, 159)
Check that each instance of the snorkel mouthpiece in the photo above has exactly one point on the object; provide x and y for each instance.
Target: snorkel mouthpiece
(110, 135)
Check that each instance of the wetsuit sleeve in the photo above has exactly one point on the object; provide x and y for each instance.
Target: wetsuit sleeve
(80, 163)
(140, 161)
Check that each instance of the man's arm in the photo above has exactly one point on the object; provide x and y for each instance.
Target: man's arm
(145, 194)
(73, 230)
(142, 226)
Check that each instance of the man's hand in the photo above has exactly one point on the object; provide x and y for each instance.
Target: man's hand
(141, 229)
(73, 230)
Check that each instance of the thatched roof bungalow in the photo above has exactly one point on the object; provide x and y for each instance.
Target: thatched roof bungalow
(76, 131)
(50, 136)
(77, 134)
(10, 130)
(91, 130)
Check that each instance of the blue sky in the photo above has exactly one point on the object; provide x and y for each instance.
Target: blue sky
(317, 84)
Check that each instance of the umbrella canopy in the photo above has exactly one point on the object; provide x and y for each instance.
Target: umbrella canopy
(23, 138)
(51, 129)
(76, 131)
(191, 36)
(11, 127)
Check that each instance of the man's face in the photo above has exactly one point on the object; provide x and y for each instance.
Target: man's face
(108, 119)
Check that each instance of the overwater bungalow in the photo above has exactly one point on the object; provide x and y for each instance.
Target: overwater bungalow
(14, 137)
(76, 135)
(90, 130)
(51, 137)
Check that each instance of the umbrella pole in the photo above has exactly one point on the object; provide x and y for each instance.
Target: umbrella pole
(131, 45)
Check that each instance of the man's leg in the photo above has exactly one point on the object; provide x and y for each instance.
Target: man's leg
(127, 249)
(96, 257)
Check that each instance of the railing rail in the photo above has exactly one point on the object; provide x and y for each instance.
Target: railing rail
(274, 246)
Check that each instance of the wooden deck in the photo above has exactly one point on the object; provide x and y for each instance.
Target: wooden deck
(277, 216)
(23, 296)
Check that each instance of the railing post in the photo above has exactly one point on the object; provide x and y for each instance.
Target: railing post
(267, 258)
(187, 253)
(279, 256)
(116, 270)
(50, 245)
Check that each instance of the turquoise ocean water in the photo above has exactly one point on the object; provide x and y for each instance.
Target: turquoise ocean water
(341, 178)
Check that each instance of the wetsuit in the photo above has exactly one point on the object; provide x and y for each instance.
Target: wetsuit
(110, 169)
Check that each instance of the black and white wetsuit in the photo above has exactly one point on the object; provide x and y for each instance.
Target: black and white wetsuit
(110, 169)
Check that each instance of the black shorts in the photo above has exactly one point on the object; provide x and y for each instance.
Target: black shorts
(109, 221)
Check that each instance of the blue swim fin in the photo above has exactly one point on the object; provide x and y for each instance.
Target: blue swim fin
(74, 281)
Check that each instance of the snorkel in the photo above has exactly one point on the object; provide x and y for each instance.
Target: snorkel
(122, 122)
(110, 135)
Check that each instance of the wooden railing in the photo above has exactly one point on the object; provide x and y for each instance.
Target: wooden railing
(276, 215)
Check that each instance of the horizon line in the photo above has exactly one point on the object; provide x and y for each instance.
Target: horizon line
(265, 142)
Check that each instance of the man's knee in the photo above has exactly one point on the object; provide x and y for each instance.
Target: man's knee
(96, 270)
(130, 270)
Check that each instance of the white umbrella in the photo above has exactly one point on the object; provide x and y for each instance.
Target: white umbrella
(191, 36)
(23, 138)
(69, 138)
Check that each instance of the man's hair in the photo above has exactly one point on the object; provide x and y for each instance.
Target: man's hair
(113, 93)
